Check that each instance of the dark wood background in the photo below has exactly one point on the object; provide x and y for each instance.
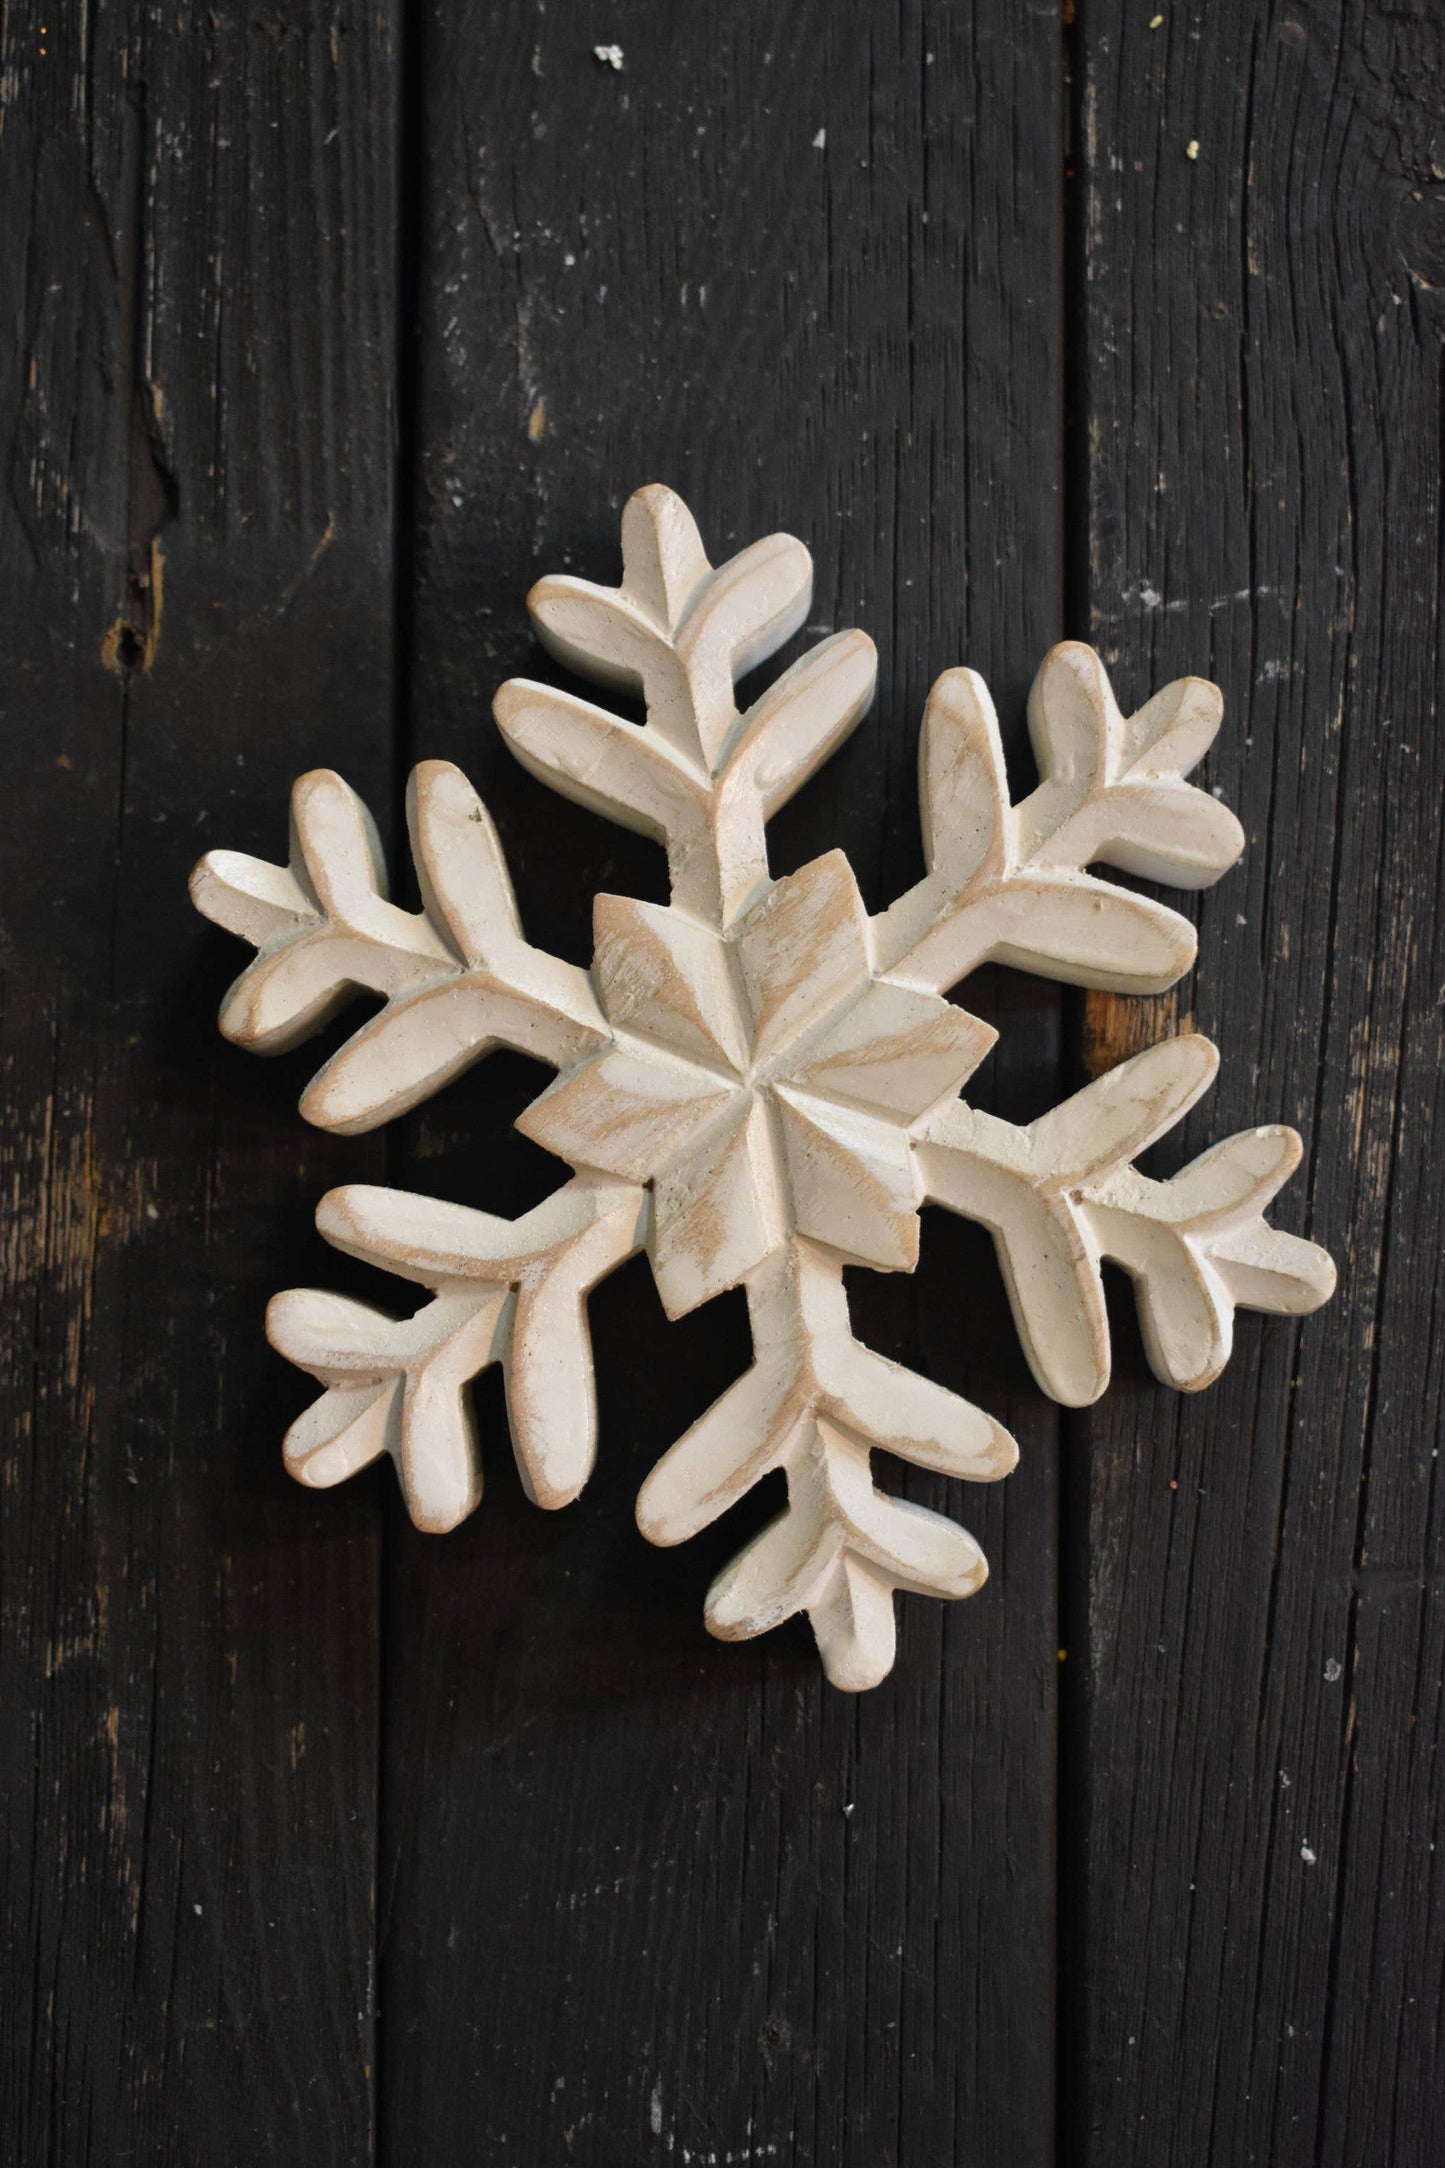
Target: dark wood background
(326, 327)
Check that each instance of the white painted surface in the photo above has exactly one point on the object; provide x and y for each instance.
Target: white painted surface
(758, 1083)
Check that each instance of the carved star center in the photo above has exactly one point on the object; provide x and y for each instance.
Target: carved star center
(764, 1081)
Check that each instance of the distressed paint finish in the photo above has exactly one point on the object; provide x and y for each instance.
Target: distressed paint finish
(758, 1082)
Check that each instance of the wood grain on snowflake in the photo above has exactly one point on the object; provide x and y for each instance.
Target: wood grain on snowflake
(758, 1082)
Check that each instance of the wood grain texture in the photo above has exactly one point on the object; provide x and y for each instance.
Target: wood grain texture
(197, 365)
(646, 1899)
(1254, 1898)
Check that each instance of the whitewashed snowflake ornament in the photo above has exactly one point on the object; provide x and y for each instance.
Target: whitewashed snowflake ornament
(759, 1083)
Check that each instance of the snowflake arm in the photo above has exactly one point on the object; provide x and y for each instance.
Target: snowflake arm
(1061, 1195)
(813, 1404)
(508, 1291)
(458, 977)
(1007, 882)
(698, 775)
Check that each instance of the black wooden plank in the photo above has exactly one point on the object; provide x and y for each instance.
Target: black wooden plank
(1256, 1950)
(646, 1897)
(196, 272)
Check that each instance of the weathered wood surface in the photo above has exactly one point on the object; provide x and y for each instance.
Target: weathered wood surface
(199, 327)
(1255, 1940)
(642, 1898)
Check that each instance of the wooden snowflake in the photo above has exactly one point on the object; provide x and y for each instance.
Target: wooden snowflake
(758, 1084)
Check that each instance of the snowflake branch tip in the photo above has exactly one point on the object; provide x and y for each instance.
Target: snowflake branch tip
(1198, 1247)
(840, 1554)
(1061, 1195)
(322, 926)
(457, 976)
(503, 1291)
(1112, 787)
(1007, 882)
(815, 1403)
(697, 775)
(676, 631)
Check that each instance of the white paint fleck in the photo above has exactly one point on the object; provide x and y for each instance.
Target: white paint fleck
(1334, 1669)
(610, 56)
(820, 140)
(1307, 1855)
